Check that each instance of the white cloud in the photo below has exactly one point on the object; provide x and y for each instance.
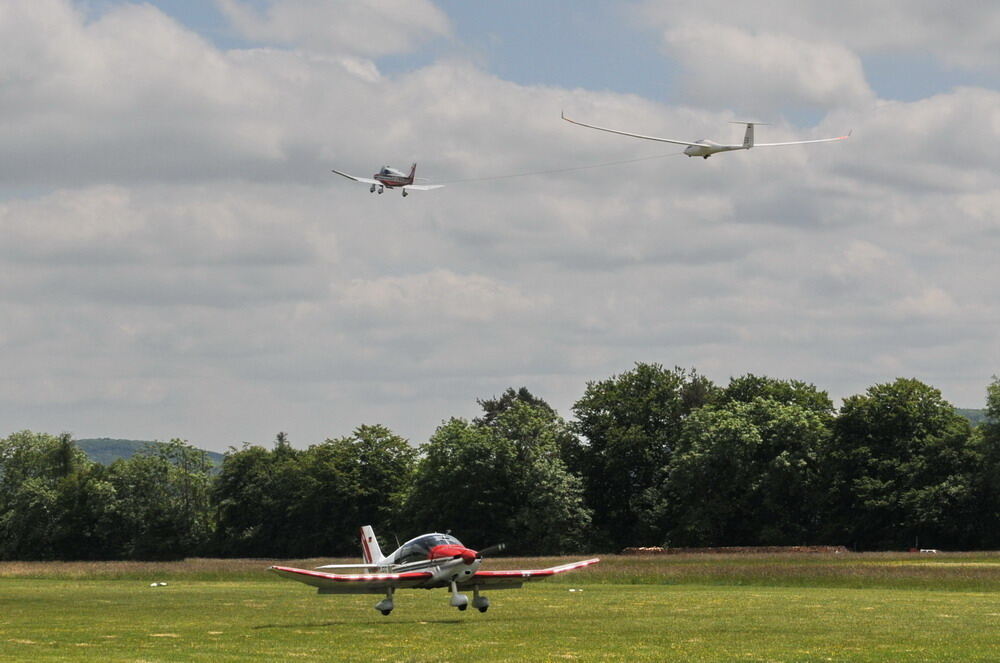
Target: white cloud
(435, 297)
(962, 35)
(360, 27)
(178, 259)
(765, 72)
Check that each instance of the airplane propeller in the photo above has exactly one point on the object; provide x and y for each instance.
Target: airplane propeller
(490, 550)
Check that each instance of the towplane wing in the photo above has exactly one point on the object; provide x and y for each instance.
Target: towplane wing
(365, 180)
(421, 187)
(353, 583)
(513, 579)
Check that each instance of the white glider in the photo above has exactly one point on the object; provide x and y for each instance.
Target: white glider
(706, 148)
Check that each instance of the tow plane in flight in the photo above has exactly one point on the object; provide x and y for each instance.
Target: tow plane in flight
(706, 148)
(425, 562)
(391, 178)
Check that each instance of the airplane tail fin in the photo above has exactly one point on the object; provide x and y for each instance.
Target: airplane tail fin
(369, 545)
(748, 136)
(413, 171)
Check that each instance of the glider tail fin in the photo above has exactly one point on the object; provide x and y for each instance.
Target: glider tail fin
(369, 546)
(748, 136)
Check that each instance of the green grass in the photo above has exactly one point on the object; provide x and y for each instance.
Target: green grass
(691, 608)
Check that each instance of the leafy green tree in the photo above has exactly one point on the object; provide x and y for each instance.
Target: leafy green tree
(494, 407)
(902, 465)
(570, 449)
(746, 388)
(987, 513)
(631, 424)
(162, 506)
(52, 499)
(293, 503)
(501, 479)
(362, 479)
(744, 474)
(252, 496)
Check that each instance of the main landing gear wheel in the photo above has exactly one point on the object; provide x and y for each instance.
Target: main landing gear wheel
(463, 608)
(386, 605)
(405, 194)
(484, 609)
(372, 190)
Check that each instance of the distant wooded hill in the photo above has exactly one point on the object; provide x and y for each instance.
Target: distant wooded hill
(975, 416)
(105, 451)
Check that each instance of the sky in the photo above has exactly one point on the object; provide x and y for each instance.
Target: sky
(177, 259)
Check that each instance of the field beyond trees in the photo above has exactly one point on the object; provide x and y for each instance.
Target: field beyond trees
(853, 607)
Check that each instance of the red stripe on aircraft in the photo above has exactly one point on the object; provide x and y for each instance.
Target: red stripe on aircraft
(359, 577)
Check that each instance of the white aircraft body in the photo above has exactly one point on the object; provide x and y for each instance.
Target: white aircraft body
(706, 148)
(426, 562)
(391, 178)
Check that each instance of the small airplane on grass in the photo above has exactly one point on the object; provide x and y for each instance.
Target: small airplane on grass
(706, 148)
(425, 562)
(392, 179)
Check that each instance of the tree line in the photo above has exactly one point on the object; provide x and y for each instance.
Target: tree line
(652, 456)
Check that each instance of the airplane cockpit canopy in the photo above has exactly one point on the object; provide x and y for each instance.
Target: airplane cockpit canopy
(419, 548)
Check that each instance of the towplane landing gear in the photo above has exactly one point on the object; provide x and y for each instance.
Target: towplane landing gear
(480, 603)
(458, 600)
(386, 605)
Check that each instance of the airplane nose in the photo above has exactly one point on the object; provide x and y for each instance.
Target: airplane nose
(467, 555)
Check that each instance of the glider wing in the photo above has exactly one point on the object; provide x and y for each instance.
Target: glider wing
(800, 142)
(625, 133)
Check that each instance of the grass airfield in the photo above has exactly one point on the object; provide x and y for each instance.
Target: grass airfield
(856, 607)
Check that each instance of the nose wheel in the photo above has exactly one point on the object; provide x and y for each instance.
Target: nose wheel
(386, 605)
(460, 601)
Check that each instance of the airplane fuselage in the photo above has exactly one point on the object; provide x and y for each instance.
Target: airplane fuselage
(392, 181)
(706, 148)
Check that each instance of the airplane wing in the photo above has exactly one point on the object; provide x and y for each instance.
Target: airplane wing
(514, 579)
(353, 583)
(625, 133)
(421, 187)
(800, 142)
(364, 180)
(350, 566)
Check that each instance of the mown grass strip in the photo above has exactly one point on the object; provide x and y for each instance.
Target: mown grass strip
(190, 620)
